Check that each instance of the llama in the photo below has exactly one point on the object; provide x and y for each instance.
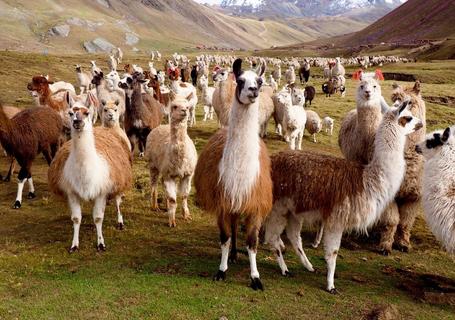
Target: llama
(329, 87)
(327, 125)
(143, 112)
(294, 120)
(95, 69)
(232, 176)
(110, 118)
(84, 79)
(276, 74)
(172, 155)
(313, 123)
(266, 109)
(207, 98)
(273, 84)
(359, 126)
(152, 69)
(194, 75)
(103, 93)
(186, 90)
(338, 69)
(290, 75)
(112, 63)
(343, 195)
(28, 133)
(438, 185)
(310, 92)
(223, 95)
(94, 165)
(304, 72)
(399, 218)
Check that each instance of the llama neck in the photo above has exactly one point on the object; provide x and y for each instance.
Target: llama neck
(369, 117)
(47, 99)
(136, 99)
(239, 166)
(83, 145)
(177, 139)
(384, 175)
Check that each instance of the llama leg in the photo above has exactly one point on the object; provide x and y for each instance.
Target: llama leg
(184, 190)
(22, 178)
(154, 175)
(171, 194)
(274, 227)
(293, 229)
(225, 240)
(234, 225)
(31, 189)
(206, 113)
(408, 212)
(389, 221)
(81, 90)
(300, 137)
(314, 137)
(118, 202)
(98, 217)
(318, 238)
(211, 112)
(76, 217)
(253, 224)
(332, 240)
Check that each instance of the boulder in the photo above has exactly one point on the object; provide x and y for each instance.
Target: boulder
(62, 30)
(98, 45)
(131, 39)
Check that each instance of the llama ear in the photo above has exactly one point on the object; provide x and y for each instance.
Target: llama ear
(237, 68)
(69, 100)
(91, 100)
(403, 106)
(416, 87)
(117, 102)
(446, 135)
(262, 69)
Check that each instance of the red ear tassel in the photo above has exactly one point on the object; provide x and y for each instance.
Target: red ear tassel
(356, 75)
(216, 68)
(379, 75)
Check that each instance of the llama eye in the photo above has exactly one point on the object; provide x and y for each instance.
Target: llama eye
(374, 87)
(105, 109)
(71, 114)
(361, 87)
(175, 107)
(115, 110)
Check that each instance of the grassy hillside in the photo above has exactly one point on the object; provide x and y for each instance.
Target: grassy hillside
(150, 271)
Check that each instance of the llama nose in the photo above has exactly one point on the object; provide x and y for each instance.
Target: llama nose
(418, 149)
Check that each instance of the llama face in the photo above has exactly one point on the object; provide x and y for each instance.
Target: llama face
(298, 97)
(78, 68)
(39, 84)
(248, 83)
(80, 117)
(406, 121)
(110, 112)
(97, 78)
(220, 75)
(368, 90)
(179, 110)
(204, 81)
(434, 143)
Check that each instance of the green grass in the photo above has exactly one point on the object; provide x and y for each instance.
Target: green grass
(153, 272)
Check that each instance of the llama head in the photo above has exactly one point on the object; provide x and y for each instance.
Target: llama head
(113, 75)
(39, 84)
(413, 95)
(298, 96)
(97, 78)
(79, 112)
(435, 143)
(204, 81)
(179, 109)
(220, 74)
(110, 112)
(368, 90)
(406, 122)
(248, 83)
(93, 63)
(173, 73)
(77, 67)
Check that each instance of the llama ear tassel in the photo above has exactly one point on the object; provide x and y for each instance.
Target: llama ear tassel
(356, 75)
(379, 75)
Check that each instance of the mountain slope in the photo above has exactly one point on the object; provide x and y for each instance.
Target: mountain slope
(157, 24)
(414, 20)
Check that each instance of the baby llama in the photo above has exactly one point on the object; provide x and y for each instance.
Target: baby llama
(172, 155)
(232, 177)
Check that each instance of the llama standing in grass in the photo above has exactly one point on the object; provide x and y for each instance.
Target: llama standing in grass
(327, 125)
(276, 74)
(110, 118)
(10, 112)
(207, 98)
(294, 119)
(313, 123)
(343, 195)
(84, 79)
(28, 133)
(232, 177)
(94, 165)
(439, 185)
(223, 95)
(172, 155)
(186, 90)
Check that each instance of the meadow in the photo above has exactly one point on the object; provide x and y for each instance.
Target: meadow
(151, 271)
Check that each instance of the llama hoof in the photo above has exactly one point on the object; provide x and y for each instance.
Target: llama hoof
(172, 224)
(73, 249)
(256, 284)
(31, 195)
(5, 179)
(288, 274)
(402, 247)
(17, 204)
(315, 245)
(120, 226)
(220, 275)
(333, 291)
(188, 217)
(101, 247)
(385, 252)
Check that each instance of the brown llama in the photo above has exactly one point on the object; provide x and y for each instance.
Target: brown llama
(232, 176)
(10, 113)
(30, 132)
